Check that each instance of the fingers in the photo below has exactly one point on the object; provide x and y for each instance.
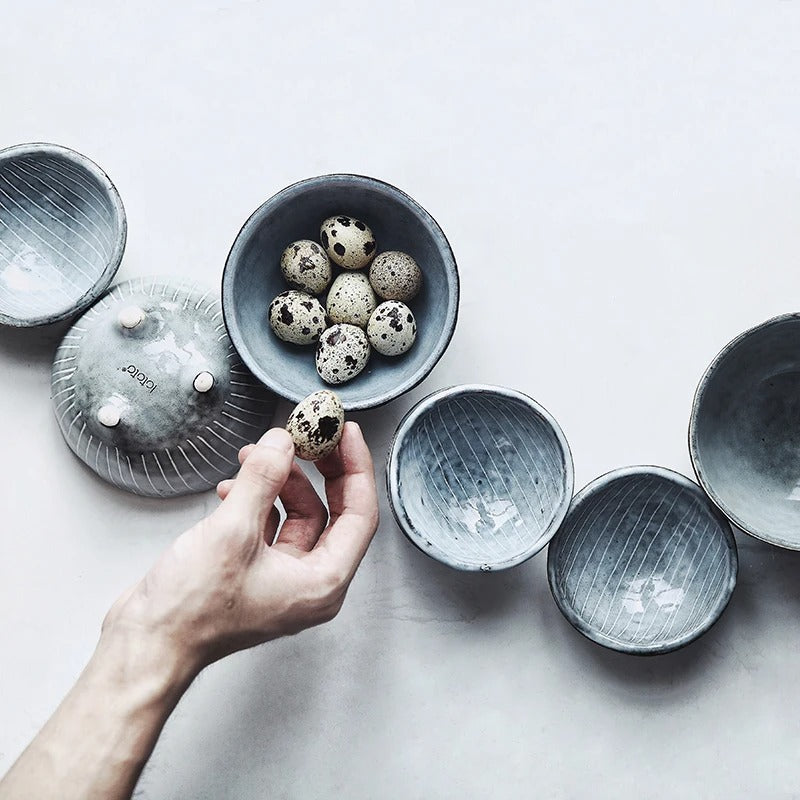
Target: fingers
(352, 499)
(251, 497)
(306, 516)
(223, 487)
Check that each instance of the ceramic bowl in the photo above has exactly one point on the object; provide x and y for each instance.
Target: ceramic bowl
(744, 433)
(150, 393)
(479, 477)
(644, 563)
(62, 234)
(253, 278)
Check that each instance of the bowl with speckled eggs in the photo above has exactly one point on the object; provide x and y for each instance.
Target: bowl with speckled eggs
(252, 279)
(479, 477)
(62, 234)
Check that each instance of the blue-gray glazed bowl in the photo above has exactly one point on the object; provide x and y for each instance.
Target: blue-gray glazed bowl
(644, 563)
(252, 278)
(744, 431)
(479, 477)
(62, 234)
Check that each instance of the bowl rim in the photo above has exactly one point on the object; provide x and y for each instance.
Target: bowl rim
(392, 477)
(274, 383)
(110, 270)
(694, 449)
(598, 485)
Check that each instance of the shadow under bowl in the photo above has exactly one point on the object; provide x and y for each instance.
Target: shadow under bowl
(479, 477)
(644, 563)
(744, 432)
(253, 278)
(62, 234)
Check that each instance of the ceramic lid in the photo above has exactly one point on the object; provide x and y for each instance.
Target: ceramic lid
(150, 393)
(62, 233)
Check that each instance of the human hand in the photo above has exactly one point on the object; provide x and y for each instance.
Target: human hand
(227, 583)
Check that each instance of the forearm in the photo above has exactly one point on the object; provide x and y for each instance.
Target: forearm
(99, 739)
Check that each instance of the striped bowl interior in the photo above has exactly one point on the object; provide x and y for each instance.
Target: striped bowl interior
(643, 563)
(479, 477)
(62, 232)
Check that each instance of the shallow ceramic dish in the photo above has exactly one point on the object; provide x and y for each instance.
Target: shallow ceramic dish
(643, 563)
(253, 278)
(150, 393)
(62, 234)
(479, 477)
(744, 432)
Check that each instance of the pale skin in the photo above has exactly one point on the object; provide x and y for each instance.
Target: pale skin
(224, 585)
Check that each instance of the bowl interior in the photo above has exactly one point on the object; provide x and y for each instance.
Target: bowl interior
(746, 431)
(253, 278)
(480, 479)
(643, 562)
(61, 234)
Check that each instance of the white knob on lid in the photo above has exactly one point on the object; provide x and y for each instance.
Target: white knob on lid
(203, 382)
(130, 316)
(108, 415)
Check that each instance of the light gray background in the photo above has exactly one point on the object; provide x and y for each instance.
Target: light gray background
(620, 183)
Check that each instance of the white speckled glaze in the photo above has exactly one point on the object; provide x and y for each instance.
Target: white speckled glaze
(316, 425)
(348, 241)
(392, 329)
(168, 437)
(351, 299)
(62, 233)
(342, 353)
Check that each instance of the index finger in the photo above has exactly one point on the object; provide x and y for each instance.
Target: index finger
(352, 501)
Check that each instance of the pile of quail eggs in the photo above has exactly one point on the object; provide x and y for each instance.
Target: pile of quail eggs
(352, 322)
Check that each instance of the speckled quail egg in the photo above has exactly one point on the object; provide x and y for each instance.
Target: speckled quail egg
(392, 329)
(395, 276)
(342, 353)
(297, 317)
(351, 299)
(316, 425)
(348, 241)
(306, 266)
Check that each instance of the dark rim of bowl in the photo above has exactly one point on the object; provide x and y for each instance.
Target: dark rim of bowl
(105, 183)
(271, 382)
(392, 478)
(599, 484)
(694, 451)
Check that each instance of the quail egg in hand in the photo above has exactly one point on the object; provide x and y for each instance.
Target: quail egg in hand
(392, 329)
(297, 317)
(348, 241)
(306, 266)
(395, 276)
(316, 425)
(342, 353)
(351, 299)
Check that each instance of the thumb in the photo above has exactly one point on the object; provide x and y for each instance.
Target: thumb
(261, 478)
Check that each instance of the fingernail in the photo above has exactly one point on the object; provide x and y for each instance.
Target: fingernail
(278, 438)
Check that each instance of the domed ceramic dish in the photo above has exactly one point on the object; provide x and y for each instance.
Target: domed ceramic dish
(744, 433)
(253, 278)
(643, 563)
(62, 233)
(479, 477)
(150, 393)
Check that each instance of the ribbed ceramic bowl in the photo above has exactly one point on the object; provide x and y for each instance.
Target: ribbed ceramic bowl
(479, 477)
(253, 278)
(62, 233)
(644, 563)
(744, 432)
